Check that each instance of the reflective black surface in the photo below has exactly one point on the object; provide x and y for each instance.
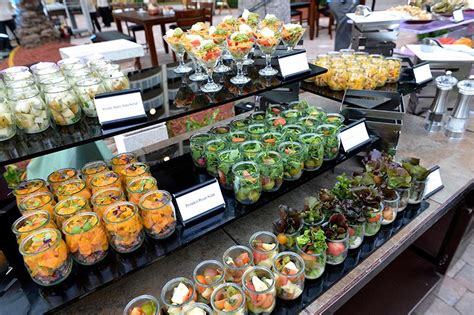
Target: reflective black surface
(166, 96)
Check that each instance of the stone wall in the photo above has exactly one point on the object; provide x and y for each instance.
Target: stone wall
(34, 28)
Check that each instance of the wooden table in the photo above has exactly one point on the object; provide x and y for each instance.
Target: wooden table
(147, 21)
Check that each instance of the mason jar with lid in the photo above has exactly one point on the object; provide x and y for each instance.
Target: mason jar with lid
(7, 122)
(382, 71)
(63, 104)
(338, 77)
(322, 79)
(370, 71)
(356, 78)
(87, 88)
(30, 111)
(116, 81)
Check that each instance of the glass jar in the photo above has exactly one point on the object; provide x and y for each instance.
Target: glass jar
(309, 123)
(208, 275)
(237, 259)
(275, 123)
(236, 138)
(289, 271)
(322, 79)
(337, 250)
(93, 168)
(257, 117)
(56, 178)
(371, 76)
(105, 180)
(174, 303)
(270, 140)
(226, 159)
(42, 75)
(373, 220)
(38, 67)
(382, 71)
(335, 119)
(314, 144)
(404, 194)
(316, 112)
(228, 299)
(86, 238)
(292, 132)
(390, 207)
(87, 89)
(17, 73)
(69, 207)
(63, 104)
(20, 86)
(143, 304)
(115, 81)
(250, 149)
(239, 124)
(102, 199)
(138, 187)
(394, 67)
(314, 263)
(255, 131)
(46, 257)
(196, 308)
(7, 121)
(124, 227)
(28, 187)
(119, 161)
(73, 187)
(211, 151)
(361, 56)
(31, 115)
(38, 201)
(158, 214)
(31, 222)
(247, 182)
(69, 63)
(417, 191)
(259, 285)
(332, 142)
(270, 165)
(46, 83)
(197, 144)
(78, 72)
(220, 131)
(134, 170)
(356, 234)
(339, 77)
(291, 116)
(264, 247)
(293, 154)
(356, 78)
(347, 53)
(273, 110)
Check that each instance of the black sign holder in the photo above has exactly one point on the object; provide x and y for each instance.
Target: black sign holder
(439, 188)
(293, 75)
(351, 125)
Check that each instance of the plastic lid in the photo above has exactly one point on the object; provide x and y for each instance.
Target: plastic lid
(446, 82)
(466, 87)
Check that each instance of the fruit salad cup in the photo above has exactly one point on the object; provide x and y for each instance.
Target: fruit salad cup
(56, 178)
(237, 259)
(197, 308)
(272, 22)
(197, 144)
(356, 234)
(391, 201)
(69, 207)
(337, 81)
(264, 247)
(177, 294)
(271, 170)
(236, 138)
(139, 186)
(228, 299)
(211, 151)
(250, 149)
(31, 222)
(332, 142)
(134, 170)
(31, 113)
(87, 89)
(239, 124)
(292, 132)
(174, 38)
(294, 155)
(247, 182)
(260, 291)
(271, 140)
(28, 187)
(226, 159)
(120, 160)
(63, 104)
(292, 116)
(105, 180)
(73, 187)
(102, 199)
(315, 151)
(373, 220)
(86, 238)
(38, 201)
(239, 46)
(143, 305)
(267, 40)
(394, 66)
(208, 55)
(289, 270)
(291, 35)
(7, 119)
(371, 73)
(124, 227)
(93, 168)
(208, 275)
(382, 70)
(158, 214)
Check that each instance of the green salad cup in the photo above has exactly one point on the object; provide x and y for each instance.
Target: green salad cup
(314, 144)
(250, 149)
(373, 220)
(335, 119)
(293, 154)
(316, 112)
(227, 159)
(212, 150)
(236, 138)
(332, 142)
(220, 131)
(271, 170)
(197, 143)
(300, 106)
(275, 123)
(274, 110)
(239, 124)
(258, 117)
(292, 132)
(247, 182)
(256, 131)
(309, 123)
(291, 115)
(270, 140)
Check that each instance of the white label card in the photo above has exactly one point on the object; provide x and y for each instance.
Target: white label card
(200, 201)
(422, 73)
(119, 107)
(354, 136)
(293, 64)
(458, 16)
(433, 183)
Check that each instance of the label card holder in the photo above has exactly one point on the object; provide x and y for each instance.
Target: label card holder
(434, 182)
(199, 201)
(120, 108)
(458, 16)
(422, 73)
(354, 135)
(293, 64)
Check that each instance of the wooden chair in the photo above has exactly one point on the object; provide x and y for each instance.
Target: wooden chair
(186, 18)
(209, 7)
(327, 13)
(223, 4)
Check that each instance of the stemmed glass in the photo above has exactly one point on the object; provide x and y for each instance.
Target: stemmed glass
(291, 35)
(190, 41)
(174, 38)
(272, 22)
(267, 41)
(219, 36)
(208, 54)
(244, 28)
(239, 45)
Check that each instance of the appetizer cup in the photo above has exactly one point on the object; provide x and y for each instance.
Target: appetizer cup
(239, 124)
(291, 116)
(335, 119)
(404, 194)
(28, 187)
(314, 150)
(56, 178)
(292, 132)
(373, 220)
(356, 234)
(177, 294)
(174, 38)
(197, 143)
(258, 117)
(212, 149)
(274, 110)
(134, 170)
(104, 181)
(143, 305)
(237, 259)
(124, 227)
(289, 270)
(102, 199)
(115, 81)
(87, 89)
(69, 207)
(247, 182)
(197, 308)
(259, 287)
(314, 263)
(46, 257)
(207, 276)
(219, 36)
(239, 46)
(264, 247)
(228, 299)
(220, 131)
(267, 40)
(270, 140)
(250, 149)
(31, 113)
(7, 120)
(38, 201)
(337, 250)
(31, 222)
(394, 66)
(119, 161)
(332, 142)
(73, 187)
(91, 169)
(256, 131)
(271, 170)
(208, 54)
(272, 22)
(226, 159)
(158, 214)
(139, 186)
(190, 41)
(293, 154)
(236, 138)
(309, 123)
(291, 35)
(390, 207)
(86, 238)
(63, 104)
(417, 190)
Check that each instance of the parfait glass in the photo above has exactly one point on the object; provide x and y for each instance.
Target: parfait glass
(208, 54)
(267, 41)
(239, 45)
(175, 43)
(190, 42)
(291, 35)
(219, 36)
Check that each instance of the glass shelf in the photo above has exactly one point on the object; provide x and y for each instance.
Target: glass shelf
(166, 96)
